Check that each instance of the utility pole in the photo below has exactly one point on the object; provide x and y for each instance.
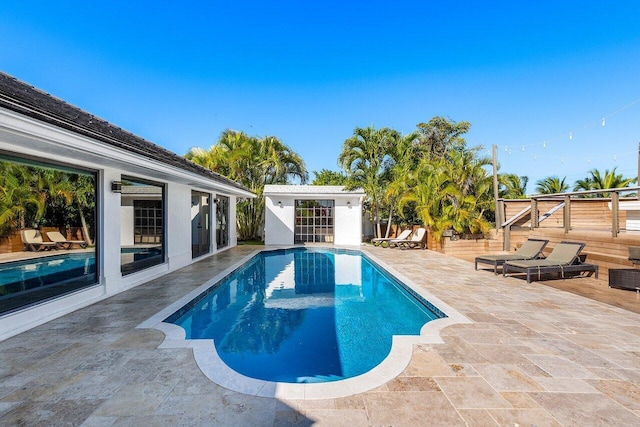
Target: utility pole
(496, 195)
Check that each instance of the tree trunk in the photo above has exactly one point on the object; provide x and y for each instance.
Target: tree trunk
(85, 229)
(386, 234)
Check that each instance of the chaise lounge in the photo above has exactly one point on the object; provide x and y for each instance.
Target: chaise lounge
(62, 242)
(530, 249)
(32, 240)
(379, 241)
(416, 240)
(565, 258)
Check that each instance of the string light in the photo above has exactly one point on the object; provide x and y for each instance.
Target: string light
(602, 121)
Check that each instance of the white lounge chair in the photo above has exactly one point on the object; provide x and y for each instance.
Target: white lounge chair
(379, 241)
(62, 242)
(32, 240)
(416, 240)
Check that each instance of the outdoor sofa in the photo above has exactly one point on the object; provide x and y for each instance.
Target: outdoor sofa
(530, 249)
(563, 259)
(627, 278)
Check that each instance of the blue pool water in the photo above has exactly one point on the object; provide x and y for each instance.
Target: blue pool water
(305, 315)
(33, 273)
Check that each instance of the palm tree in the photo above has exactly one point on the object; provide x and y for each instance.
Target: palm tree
(551, 185)
(600, 181)
(451, 192)
(17, 197)
(253, 162)
(328, 177)
(513, 186)
(440, 135)
(365, 157)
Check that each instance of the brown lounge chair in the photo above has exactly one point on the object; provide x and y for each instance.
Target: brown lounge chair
(379, 241)
(416, 240)
(32, 240)
(62, 242)
(530, 249)
(565, 258)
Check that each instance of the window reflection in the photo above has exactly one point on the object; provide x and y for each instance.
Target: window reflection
(142, 225)
(47, 229)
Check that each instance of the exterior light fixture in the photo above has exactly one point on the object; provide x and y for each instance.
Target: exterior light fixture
(279, 203)
(349, 204)
(116, 186)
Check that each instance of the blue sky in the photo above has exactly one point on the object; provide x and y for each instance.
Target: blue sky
(178, 74)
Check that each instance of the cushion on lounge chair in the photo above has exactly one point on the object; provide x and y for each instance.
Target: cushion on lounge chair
(57, 237)
(532, 248)
(414, 242)
(380, 240)
(33, 240)
(563, 259)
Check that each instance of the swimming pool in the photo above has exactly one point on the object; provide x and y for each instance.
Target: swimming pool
(33, 280)
(305, 316)
(27, 274)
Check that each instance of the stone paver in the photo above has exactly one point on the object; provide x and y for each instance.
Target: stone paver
(533, 355)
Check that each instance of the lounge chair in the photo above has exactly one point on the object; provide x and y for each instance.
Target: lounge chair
(379, 241)
(565, 258)
(530, 249)
(62, 242)
(416, 240)
(32, 240)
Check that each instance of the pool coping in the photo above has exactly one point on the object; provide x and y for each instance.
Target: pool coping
(214, 368)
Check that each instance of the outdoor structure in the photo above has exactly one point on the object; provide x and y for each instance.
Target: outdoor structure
(135, 210)
(312, 214)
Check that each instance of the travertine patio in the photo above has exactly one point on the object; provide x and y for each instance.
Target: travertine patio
(534, 355)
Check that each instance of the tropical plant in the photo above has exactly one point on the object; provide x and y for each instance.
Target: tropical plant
(17, 198)
(253, 162)
(512, 186)
(328, 177)
(440, 135)
(602, 181)
(551, 185)
(451, 192)
(365, 157)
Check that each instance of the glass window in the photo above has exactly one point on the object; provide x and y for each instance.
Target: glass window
(314, 221)
(222, 222)
(200, 224)
(142, 233)
(47, 231)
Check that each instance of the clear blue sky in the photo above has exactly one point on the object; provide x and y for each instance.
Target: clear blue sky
(179, 73)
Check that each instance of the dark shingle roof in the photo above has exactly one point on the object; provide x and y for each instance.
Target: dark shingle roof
(22, 98)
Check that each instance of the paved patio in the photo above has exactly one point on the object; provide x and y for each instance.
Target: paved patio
(535, 355)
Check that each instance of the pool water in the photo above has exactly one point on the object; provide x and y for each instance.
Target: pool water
(23, 275)
(303, 315)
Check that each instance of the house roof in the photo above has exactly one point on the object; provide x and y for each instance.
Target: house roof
(311, 189)
(22, 98)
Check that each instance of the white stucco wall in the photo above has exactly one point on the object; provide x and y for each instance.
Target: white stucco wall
(279, 220)
(23, 136)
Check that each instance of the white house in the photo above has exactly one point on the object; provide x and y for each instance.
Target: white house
(144, 210)
(312, 213)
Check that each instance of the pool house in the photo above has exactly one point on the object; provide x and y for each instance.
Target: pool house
(88, 210)
(313, 214)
